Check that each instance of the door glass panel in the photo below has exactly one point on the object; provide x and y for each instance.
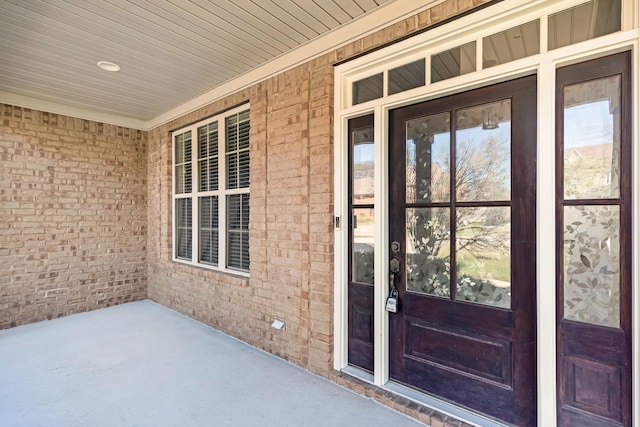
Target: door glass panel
(483, 152)
(428, 158)
(363, 245)
(592, 264)
(407, 77)
(592, 139)
(454, 62)
(586, 21)
(428, 234)
(483, 255)
(509, 45)
(362, 167)
(367, 89)
(362, 173)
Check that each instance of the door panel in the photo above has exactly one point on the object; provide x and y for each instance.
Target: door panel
(466, 227)
(361, 247)
(594, 242)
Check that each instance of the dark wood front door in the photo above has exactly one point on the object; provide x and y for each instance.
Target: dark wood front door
(593, 117)
(463, 213)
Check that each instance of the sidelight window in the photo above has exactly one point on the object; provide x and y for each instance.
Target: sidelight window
(592, 200)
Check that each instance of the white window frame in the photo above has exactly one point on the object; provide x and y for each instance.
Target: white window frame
(474, 27)
(222, 193)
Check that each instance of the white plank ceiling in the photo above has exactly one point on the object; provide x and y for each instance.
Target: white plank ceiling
(170, 51)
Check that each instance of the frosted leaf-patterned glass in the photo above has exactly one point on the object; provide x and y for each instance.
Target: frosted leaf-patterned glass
(428, 159)
(592, 139)
(483, 255)
(428, 234)
(592, 264)
(483, 152)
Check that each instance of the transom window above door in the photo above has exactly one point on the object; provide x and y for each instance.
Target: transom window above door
(565, 27)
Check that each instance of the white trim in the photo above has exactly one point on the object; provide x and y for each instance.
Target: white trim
(381, 271)
(635, 249)
(546, 232)
(66, 110)
(340, 309)
(473, 27)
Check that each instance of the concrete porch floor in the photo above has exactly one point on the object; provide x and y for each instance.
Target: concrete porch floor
(142, 364)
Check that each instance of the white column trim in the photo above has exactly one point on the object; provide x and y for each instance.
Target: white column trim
(545, 246)
(635, 227)
(381, 263)
(340, 289)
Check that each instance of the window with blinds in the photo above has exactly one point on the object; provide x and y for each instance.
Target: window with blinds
(238, 150)
(208, 156)
(238, 231)
(183, 229)
(218, 203)
(183, 163)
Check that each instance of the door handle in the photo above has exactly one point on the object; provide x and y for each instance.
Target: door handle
(393, 298)
(394, 266)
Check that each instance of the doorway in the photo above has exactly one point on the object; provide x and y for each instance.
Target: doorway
(462, 227)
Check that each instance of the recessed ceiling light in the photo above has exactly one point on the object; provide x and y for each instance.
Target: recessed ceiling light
(108, 66)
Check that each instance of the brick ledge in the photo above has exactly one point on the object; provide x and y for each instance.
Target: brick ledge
(422, 413)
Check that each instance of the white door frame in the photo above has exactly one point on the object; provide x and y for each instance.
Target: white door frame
(474, 27)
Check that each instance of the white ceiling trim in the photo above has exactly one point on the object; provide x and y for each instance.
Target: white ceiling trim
(66, 110)
(387, 14)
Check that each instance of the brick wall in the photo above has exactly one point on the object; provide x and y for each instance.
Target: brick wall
(73, 209)
(78, 210)
(291, 233)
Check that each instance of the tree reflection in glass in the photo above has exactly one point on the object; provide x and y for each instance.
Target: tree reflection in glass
(483, 152)
(428, 159)
(592, 139)
(482, 246)
(483, 255)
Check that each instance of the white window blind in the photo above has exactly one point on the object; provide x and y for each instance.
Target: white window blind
(183, 163)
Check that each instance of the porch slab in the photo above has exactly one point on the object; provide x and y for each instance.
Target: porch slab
(142, 364)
